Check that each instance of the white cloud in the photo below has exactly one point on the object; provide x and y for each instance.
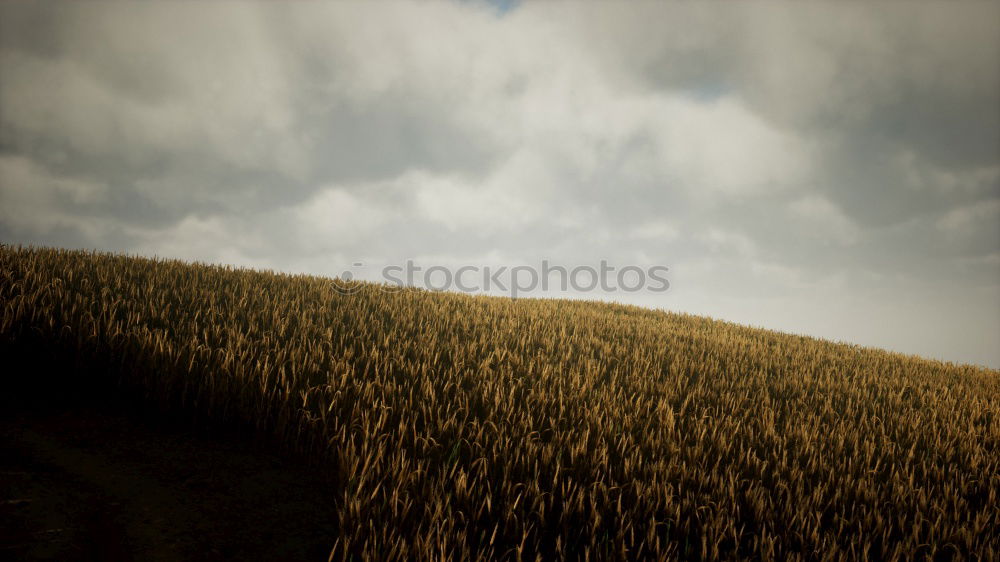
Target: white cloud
(336, 217)
(751, 150)
(722, 241)
(723, 147)
(37, 201)
(457, 205)
(660, 231)
(28, 183)
(222, 89)
(821, 217)
(963, 219)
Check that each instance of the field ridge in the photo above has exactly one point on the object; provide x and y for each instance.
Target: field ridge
(486, 428)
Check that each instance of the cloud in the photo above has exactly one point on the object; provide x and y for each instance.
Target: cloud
(816, 214)
(789, 164)
(966, 218)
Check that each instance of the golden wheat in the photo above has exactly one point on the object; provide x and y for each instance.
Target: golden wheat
(465, 427)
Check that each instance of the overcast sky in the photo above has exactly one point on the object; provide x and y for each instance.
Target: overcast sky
(818, 169)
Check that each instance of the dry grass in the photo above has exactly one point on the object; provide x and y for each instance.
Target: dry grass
(486, 428)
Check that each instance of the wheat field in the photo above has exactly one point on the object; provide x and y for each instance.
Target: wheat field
(485, 428)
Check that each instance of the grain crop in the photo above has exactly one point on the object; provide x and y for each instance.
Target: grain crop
(486, 428)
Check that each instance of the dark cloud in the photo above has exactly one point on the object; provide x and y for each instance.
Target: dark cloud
(818, 168)
(386, 136)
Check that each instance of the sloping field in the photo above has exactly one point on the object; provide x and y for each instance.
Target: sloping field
(487, 428)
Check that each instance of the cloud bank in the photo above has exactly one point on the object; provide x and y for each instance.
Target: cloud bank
(824, 169)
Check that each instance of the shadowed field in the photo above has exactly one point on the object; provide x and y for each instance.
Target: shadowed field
(80, 483)
(487, 428)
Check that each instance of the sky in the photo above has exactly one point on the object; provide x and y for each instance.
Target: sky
(821, 169)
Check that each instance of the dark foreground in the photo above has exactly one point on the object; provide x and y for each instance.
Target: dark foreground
(94, 484)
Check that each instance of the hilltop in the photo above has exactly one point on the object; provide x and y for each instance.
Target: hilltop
(459, 426)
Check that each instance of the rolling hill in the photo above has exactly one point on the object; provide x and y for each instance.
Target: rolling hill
(471, 427)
